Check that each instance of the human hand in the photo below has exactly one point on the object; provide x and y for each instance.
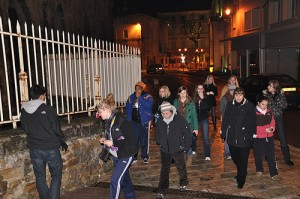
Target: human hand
(108, 143)
(196, 132)
(101, 140)
(212, 93)
(64, 146)
(270, 130)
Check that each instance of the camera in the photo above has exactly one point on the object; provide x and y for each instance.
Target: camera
(104, 155)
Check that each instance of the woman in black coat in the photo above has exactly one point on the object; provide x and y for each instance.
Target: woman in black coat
(238, 128)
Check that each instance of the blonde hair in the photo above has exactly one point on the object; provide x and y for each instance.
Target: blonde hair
(207, 78)
(108, 103)
(167, 90)
(236, 80)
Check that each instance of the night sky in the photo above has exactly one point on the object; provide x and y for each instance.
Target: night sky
(156, 6)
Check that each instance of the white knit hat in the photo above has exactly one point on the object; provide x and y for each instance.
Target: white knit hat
(166, 106)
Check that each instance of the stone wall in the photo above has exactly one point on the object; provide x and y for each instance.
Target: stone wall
(81, 165)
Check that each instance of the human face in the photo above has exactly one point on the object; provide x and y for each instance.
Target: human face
(162, 92)
(210, 80)
(183, 94)
(166, 114)
(200, 89)
(138, 91)
(263, 104)
(232, 80)
(104, 113)
(239, 97)
(271, 88)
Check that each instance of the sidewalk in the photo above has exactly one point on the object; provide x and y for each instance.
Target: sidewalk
(207, 179)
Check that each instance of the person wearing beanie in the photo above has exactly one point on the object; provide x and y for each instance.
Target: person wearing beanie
(139, 112)
(174, 136)
(224, 100)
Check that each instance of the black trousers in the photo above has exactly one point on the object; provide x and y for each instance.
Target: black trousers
(165, 169)
(240, 157)
(264, 148)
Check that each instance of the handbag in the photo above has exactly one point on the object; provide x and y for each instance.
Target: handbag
(104, 155)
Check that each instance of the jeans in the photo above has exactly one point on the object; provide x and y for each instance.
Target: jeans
(39, 159)
(194, 142)
(204, 125)
(165, 170)
(226, 149)
(141, 131)
(120, 179)
(283, 142)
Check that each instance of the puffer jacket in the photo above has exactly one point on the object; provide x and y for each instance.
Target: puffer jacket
(239, 123)
(175, 136)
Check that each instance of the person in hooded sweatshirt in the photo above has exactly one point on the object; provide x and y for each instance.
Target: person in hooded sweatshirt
(44, 137)
(174, 136)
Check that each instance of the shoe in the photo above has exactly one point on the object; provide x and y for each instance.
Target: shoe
(134, 161)
(194, 152)
(172, 161)
(159, 196)
(240, 186)
(207, 158)
(259, 174)
(228, 157)
(182, 188)
(146, 160)
(290, 163)
(276, 177)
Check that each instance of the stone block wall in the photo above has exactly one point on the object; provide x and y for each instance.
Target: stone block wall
(81, 165)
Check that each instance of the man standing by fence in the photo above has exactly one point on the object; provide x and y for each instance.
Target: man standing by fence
(139, 111)
(44, 137)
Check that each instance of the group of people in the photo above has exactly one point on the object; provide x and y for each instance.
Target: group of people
(177, 121)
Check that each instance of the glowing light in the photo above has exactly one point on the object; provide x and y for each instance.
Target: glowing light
(227, 11)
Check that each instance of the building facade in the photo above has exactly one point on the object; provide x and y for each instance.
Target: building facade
(258, 37)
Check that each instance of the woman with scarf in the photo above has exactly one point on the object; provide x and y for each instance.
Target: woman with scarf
(121, 142)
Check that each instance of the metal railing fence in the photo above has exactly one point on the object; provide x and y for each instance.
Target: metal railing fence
(77, 71)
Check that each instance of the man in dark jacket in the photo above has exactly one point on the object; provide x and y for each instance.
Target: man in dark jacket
(174, 137)
(238, 128)
(44, 137)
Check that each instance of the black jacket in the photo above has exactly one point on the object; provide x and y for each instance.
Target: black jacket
(124, 137)
(41, 124)
(202, 108)
(212, 98)
(239, 123)
(159, 101)
(174, 137)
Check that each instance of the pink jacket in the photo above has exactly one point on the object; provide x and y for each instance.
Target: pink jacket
(261, 130)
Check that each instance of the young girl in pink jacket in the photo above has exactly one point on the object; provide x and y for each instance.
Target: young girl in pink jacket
(263, 145)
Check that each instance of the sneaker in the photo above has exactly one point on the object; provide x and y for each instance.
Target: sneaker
(207, 158)
(146, 160)
(182, 188)
(228, 157)
(290, 163)
(159, 196)
(276, 177)
(259, 174)
(134, 161)
(194, 152)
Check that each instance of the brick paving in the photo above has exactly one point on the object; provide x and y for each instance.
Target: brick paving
(215, 176)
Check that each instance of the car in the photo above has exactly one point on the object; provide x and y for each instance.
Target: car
(256, 83)
(155, 68)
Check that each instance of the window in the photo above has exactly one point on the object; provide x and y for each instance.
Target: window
(281, 10)
(125, 34)
(252, 19)
(247, 20)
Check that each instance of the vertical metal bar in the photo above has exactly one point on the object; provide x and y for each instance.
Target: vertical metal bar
(80, 73)
(22, 75)
(104, 76)
(54, 71)
(14, 65)
(48, 67)
(1, 108)
(84, 75)
(89, 72)
(28, 55)
(62, 80)
(71, 72)
(100, 67)
(66, 73)
(5, 67)
(75, 70)
(42, 56)
(97, 76)
(93, 72)
(35, 57)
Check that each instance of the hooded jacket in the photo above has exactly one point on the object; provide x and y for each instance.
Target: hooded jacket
(239, 123)
(175, 136)
(41, 124)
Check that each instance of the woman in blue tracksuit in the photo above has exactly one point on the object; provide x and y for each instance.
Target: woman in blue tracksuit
(122, 143)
